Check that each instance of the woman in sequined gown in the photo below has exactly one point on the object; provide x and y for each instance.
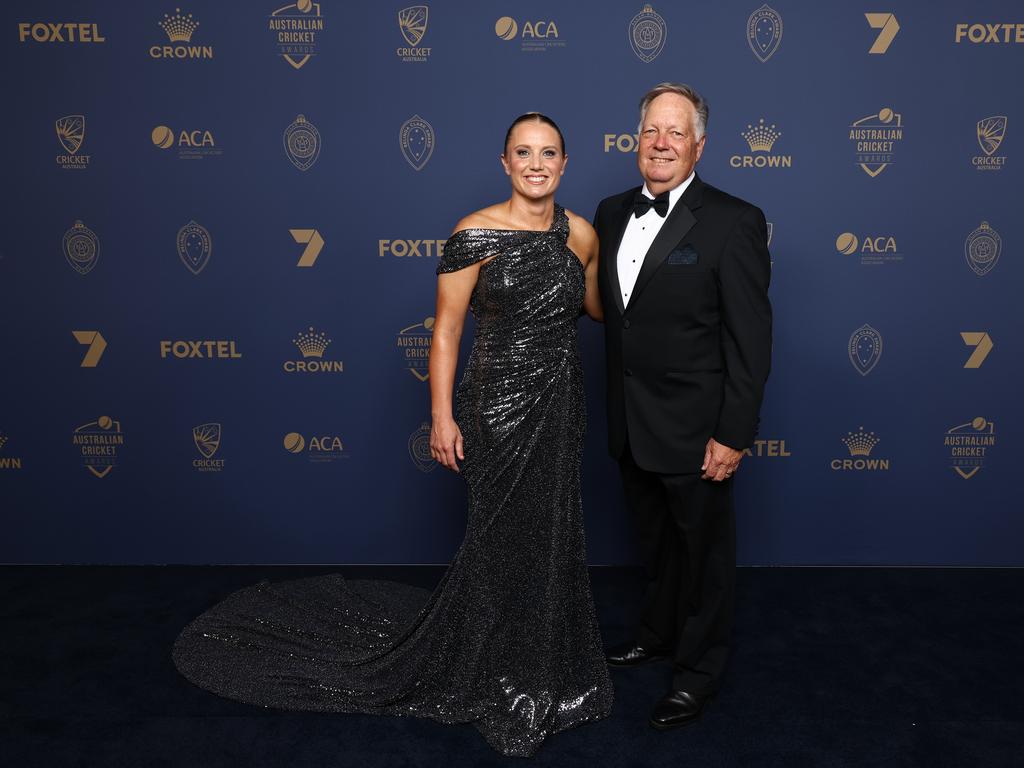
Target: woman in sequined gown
(509, 639)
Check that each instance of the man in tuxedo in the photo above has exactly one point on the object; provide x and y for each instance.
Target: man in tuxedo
(684, 283)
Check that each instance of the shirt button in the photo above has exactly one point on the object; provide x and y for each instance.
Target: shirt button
(625, 323)
(628, 372)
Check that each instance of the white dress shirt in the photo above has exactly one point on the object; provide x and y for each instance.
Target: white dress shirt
(637, 239)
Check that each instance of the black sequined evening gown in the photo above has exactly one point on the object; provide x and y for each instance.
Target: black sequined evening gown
(509, 638)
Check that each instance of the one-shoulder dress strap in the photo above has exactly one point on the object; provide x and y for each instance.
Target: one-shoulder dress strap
(560, 223)
(466, 247)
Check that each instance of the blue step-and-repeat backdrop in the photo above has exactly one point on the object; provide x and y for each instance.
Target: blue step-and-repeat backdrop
(221, 222)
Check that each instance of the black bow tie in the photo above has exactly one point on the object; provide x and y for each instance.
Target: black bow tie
(642, 204)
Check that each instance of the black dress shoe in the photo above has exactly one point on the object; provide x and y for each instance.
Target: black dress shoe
(677, 709)
(632, 655)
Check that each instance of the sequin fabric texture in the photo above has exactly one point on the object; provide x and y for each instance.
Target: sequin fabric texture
(509, 638)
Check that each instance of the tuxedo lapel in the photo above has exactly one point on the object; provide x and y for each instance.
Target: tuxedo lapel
(611, 263)
(680, 221)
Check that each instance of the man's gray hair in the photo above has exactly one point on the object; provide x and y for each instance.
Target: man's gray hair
(700, 106)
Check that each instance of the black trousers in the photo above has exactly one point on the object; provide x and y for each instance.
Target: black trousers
(687, 534)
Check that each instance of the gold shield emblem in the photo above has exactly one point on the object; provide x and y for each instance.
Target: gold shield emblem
(301, 14)
(982, 249)
(71, 132)
(413, 23)
(647, 34)
(991, 131)
(207, 439)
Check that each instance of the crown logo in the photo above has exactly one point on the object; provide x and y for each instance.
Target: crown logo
(860, 443)
(312, 344)
(3, 440)
(761, 137)
(179, 28)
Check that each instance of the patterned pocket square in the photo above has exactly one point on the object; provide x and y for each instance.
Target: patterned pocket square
(686, 256)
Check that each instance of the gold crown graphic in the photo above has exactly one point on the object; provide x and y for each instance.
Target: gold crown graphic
(860, 443)
(761, 138)
(179, 28)
(3, 440)
(312, 344)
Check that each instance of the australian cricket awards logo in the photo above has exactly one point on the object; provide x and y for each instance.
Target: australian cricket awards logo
(982, 249)
(860, 444)
(968, 444)
(764, 32)
(312, 344)
(207, 441)
(416, 139)
(194, 247)
(296, 29)
(647, 34)
(98, 443)
(179, 29)
(865, 349)
(761, 138)
(412, 23)
(319, 448)
(71, 135)
(81, 248)
(875, 138)
(419, 449)
(991, 131)
(414, 346)
(14, 462)
(302, 143)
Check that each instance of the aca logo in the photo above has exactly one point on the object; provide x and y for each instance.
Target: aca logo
(194, 247)
(982, 344)
(71, 135)
(761, 138)
(623, 142)
(319, 449)
(419, 449)
(314, 244)
(81, 248)
(534, 35)
(302, 143)
(14, 462)
(860, 444)
(416, 140)
(312, 344)
(991, 131)
(203, 350)
(865, 349)
(968, 445)
(296, 29)
(887, 27)
(59, 32)
(95, 342)
(647, 34)
(986, 33)
(192, 144)
(402, 249)
(875, 138)
(414, 346)
(207, 441)
(982, 249)
(874, 249)
(764, 32)
(768, 448)
(412, 23)
(179, 30)
(98, 443)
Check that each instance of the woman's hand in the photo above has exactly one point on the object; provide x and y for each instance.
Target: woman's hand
(446, 443)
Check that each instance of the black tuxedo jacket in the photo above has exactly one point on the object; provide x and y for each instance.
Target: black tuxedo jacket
(689, 355)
